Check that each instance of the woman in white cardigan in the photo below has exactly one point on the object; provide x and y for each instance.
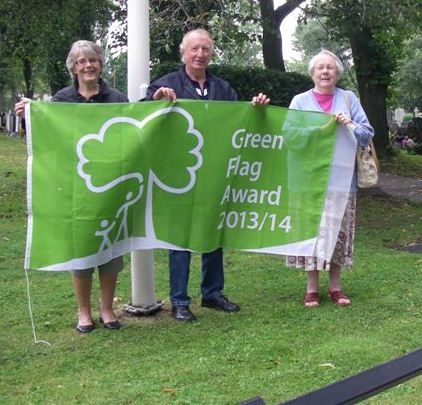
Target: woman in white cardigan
(325, 69)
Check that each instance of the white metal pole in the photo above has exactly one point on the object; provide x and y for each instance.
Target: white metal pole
(138, 47)
(143, 299)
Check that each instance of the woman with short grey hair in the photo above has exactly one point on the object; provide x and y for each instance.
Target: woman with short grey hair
(85, 63)
(326, 69)
(88, 48)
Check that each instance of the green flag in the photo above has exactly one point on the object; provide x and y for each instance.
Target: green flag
(105, 179)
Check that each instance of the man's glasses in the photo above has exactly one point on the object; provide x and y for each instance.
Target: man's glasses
(84, 61)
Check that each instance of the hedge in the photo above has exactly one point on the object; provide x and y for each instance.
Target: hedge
(279, 86)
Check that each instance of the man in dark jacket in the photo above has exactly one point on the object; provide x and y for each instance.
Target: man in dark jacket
(193, 81)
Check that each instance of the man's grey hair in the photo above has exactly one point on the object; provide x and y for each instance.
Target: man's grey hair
(186, 37)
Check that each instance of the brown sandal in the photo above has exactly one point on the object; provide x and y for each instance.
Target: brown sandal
(336, 296)
(311, 300)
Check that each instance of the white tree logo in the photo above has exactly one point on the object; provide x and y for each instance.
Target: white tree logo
(119, 225)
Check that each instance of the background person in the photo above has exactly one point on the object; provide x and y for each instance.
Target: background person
(85, 63)
(325, 69)
(194, 81)
(408, 143)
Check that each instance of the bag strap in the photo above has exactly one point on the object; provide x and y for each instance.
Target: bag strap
(347, 101)
(371, 143)
(374, 153)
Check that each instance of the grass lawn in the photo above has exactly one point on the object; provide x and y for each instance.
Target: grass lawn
(273, 348)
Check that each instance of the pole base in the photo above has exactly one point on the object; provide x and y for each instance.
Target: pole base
(144, 311)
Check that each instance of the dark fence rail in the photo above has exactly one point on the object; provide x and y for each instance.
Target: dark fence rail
(360, 386)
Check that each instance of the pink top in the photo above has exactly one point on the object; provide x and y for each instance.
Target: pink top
(325, 101)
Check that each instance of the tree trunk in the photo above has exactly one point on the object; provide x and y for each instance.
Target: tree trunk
(271, 37)
(27, 75)
(373, 98)
(58, 76)
(372, 92)
(271, 40)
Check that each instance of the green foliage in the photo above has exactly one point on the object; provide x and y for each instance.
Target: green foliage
(408, 78)
(407, 117)
(273, 348)
(234, 27)
(115, 72)
(401, 163)
(386, 28)
(417, 149)
(10, 77)
(312, 35)
(69, 22)
(18, 37)
(375, 34)
(171, 19)
(237, 28)
(279, 86)
(237, 33)
(38, 33)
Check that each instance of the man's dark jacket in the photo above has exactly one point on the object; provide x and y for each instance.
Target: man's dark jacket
(219, 89)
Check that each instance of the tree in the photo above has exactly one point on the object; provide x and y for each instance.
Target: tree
(408, 78)
(8, 82)
(312, 36)
(17, 28)
(271, 38)
(38, 34)
(70, 21)
(375, 34)
(234, 27)
(115, 71)
(238, 35)
(245, 31)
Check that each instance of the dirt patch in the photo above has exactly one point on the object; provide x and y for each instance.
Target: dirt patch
(414, 248)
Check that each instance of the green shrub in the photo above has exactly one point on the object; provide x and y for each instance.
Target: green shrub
(407, 117)
(393, 150)
(418, 149)
(279, 86)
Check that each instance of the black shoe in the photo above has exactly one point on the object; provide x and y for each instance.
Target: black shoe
(182, 313)
(221, 303)
(85, 328)
(113, 325)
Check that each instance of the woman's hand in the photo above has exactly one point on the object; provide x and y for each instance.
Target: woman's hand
(20, 106)
(260, 99)
(165, 92)
(343, 118)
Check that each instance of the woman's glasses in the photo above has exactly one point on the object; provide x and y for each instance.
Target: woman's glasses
(84, 61)
(320, 68)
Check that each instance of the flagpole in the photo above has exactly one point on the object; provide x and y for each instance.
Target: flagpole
(143, 299)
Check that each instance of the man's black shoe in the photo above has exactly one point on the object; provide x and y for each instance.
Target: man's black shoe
(220, 303)
(182, 313)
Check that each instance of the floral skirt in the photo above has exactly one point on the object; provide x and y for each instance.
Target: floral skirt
(343, 252)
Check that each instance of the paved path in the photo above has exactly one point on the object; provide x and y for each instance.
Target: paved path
(397, 186)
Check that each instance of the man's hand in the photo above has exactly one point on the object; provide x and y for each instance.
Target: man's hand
(260, 99)
(165, 92)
